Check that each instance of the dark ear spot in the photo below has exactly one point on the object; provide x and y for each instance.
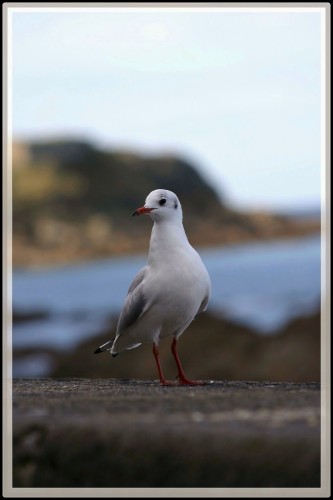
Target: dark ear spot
(176, 205)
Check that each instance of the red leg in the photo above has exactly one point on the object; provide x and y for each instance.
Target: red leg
(181, 375)
(163, 380)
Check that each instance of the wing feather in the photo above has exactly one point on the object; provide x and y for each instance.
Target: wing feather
(135, 303)
(203, 305)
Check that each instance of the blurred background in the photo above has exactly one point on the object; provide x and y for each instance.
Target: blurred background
(221, 107)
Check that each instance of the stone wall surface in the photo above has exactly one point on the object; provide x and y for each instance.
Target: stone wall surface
(84, 433)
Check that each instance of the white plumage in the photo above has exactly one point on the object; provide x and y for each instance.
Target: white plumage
(167, 294)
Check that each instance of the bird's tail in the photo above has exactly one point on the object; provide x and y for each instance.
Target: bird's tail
(105, 347)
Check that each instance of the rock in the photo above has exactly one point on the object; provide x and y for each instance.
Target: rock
(109, 433)
(212, 347)
(22, 316)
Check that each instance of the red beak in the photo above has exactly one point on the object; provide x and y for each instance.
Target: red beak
(142, 210)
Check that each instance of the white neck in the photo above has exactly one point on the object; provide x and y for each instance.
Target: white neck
(166, 238)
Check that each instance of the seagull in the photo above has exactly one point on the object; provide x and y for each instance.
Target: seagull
(169, 292)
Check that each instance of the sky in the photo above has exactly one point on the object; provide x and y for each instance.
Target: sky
(235, 92)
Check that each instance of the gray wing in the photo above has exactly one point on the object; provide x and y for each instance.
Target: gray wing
(133, 308)
(134, 304)
(203, 305)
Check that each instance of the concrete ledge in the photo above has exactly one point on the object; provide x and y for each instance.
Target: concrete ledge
(126, 433)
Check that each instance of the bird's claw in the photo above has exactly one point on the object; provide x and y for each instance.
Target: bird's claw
(185, 381)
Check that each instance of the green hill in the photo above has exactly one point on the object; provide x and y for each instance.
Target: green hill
(84, 180)
(73, 201)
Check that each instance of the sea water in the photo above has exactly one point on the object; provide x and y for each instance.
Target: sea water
(260, 285)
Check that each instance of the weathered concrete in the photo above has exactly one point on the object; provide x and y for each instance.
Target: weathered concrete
(125, 433)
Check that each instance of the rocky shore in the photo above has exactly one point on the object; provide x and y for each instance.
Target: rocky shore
(72, 202)
(212, 347)
(65, 243)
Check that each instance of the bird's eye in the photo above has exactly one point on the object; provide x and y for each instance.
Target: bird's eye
(162, 202)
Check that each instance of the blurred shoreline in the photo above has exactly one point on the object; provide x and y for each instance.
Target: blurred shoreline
(262, 227)
(213, 347)
(72, 202)
(264, 313)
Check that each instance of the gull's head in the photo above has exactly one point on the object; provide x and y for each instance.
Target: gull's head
(161, 205)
